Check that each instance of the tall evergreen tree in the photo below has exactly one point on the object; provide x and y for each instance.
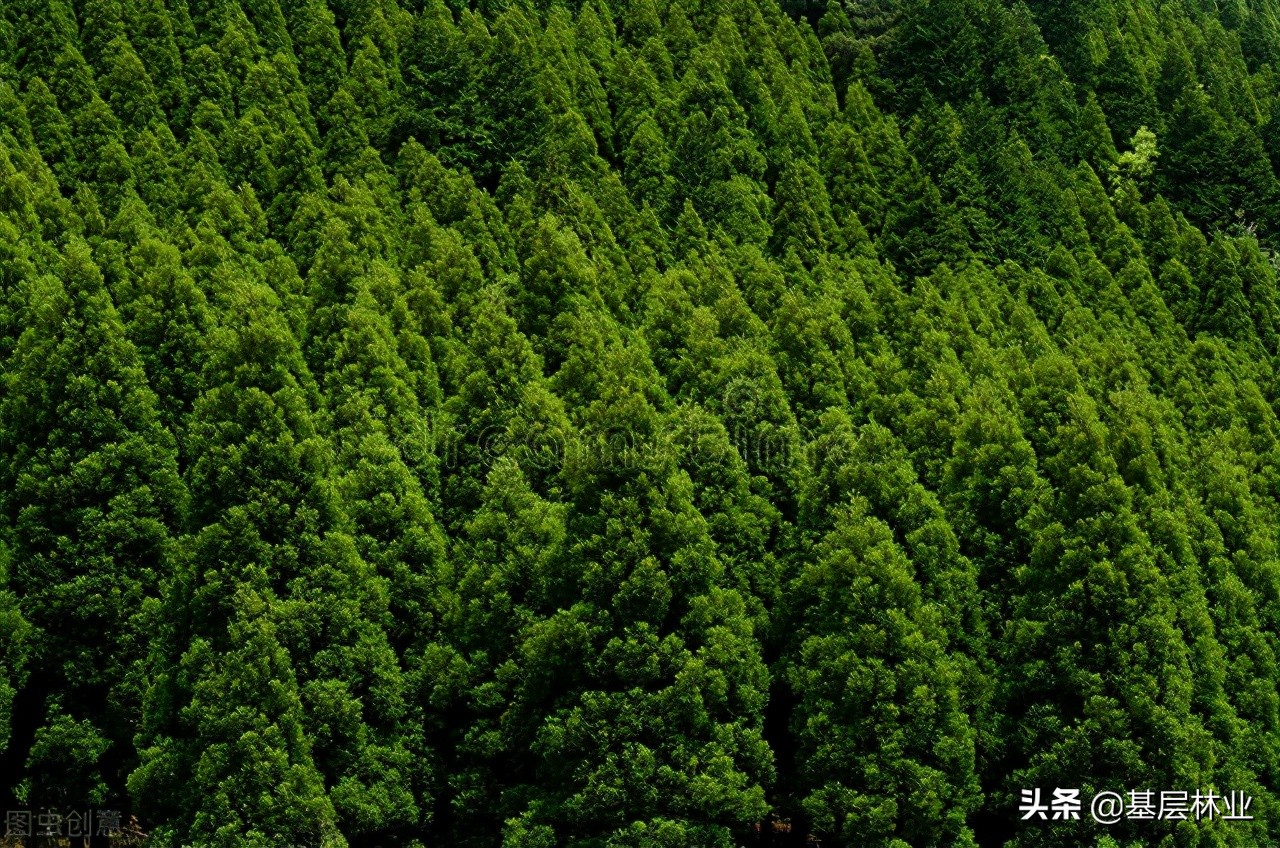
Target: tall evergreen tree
(92, 495)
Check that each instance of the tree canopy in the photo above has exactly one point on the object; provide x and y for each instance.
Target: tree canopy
(644, 424)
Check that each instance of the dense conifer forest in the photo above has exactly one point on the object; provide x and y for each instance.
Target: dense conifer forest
(639, 424)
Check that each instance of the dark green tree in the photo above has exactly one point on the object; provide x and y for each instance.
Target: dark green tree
(92, 495)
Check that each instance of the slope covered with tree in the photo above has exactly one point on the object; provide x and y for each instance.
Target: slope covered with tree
(536, 423)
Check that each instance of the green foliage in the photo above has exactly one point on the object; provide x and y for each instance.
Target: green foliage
(638, 423)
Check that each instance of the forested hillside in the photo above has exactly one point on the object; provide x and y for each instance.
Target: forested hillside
(652, 423)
